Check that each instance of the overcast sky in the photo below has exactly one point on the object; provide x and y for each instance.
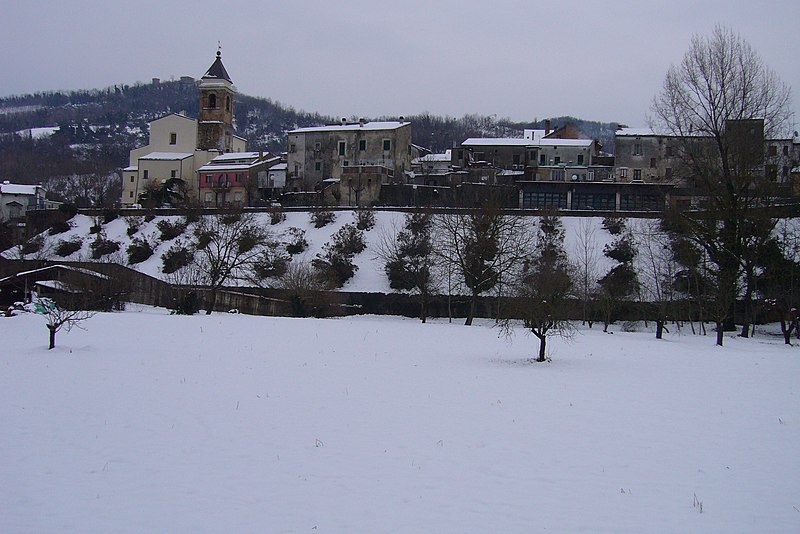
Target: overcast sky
(519, 59)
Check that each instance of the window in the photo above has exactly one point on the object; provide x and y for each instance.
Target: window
(591, 176)
(209, 196)
(238, 177)
(540, 199)
(345, 163)
(237, 196)
(460, 154)
(669, 151)
(362, 144)
(580, 159)
(292, 148)
(623, 173)
(640, 202)
(652, 163)
(227, 103)
(558, 175)
(317, 146)
(773, 150)
(785, 150)
(209, 178)
(146, 174)
(557, 160)
(515, 159)
(785, 171)
(342, 147)
(317, 165)
(637, 149)
(212, 101)
(637, 175)
(668, 172)
(543, 159)
(594, 201)
(387, 145)
(132, 178)
(533, 155)
(173, 138)
(130, 195)
(173, 173)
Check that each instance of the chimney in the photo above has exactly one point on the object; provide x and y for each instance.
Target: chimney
(344, 121)
(260, 154)
(361, 121)
(547, 127)
(402, 119)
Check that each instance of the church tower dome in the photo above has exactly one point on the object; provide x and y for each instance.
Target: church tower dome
(215, 120)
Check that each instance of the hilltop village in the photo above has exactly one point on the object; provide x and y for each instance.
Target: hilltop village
(367, 163)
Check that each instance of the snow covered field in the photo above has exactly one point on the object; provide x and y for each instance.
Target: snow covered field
(147, 422)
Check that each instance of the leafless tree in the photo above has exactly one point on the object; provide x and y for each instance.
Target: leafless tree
(58, 317)
(587, 257)
(227, 247)
(543, 287)
(482, 246)
(657, 271)
(721, 101)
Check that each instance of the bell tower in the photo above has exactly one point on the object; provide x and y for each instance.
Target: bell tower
(215, 122)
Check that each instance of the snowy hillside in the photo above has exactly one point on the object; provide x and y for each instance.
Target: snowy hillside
(370, 276)
(147, 422)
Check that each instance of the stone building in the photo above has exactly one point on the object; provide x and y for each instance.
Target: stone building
(179, 145)
(321, 156)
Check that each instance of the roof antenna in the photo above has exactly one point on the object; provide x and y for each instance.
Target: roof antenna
(219, 49)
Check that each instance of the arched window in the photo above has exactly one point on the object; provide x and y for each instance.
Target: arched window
(212, 100)
(227, 103)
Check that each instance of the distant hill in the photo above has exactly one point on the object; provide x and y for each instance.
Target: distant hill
(98, 128)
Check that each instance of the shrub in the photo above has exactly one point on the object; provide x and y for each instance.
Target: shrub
(187, 303)
(614, 224)
(349, 240)
(271, 264)
(170, 230)
(66, 248)
(139, 250)
(192, 216)
(68, 210)
(322, 218)
(230, 218)
(95, 229)
(365, 219)
(109, 215)
(133, 222)
(176, 258)
(204, 237)
(333, 268)
(149, 217)
(59, 227)
(103, 247)
(276, 215)
(296, 240)
(33, 245)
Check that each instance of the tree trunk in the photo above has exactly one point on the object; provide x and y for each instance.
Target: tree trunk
(542, 344)
(472, 304)
(659, 329)
(720, 333)
(787, 332)
(423, 301)
(212, 301)
(52, 337)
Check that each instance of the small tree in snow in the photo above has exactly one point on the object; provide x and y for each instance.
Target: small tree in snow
(544, 287)
(57, 317)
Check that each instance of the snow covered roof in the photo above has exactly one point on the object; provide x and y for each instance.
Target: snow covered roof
(169, 156)
(381, 125)
(228, 156)
(497, 141)
(57, 266)
(18, 189)
(433, 158)
(518, 141)
(225, 167)
(634, 132)
(279, 167)
(131, 168)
